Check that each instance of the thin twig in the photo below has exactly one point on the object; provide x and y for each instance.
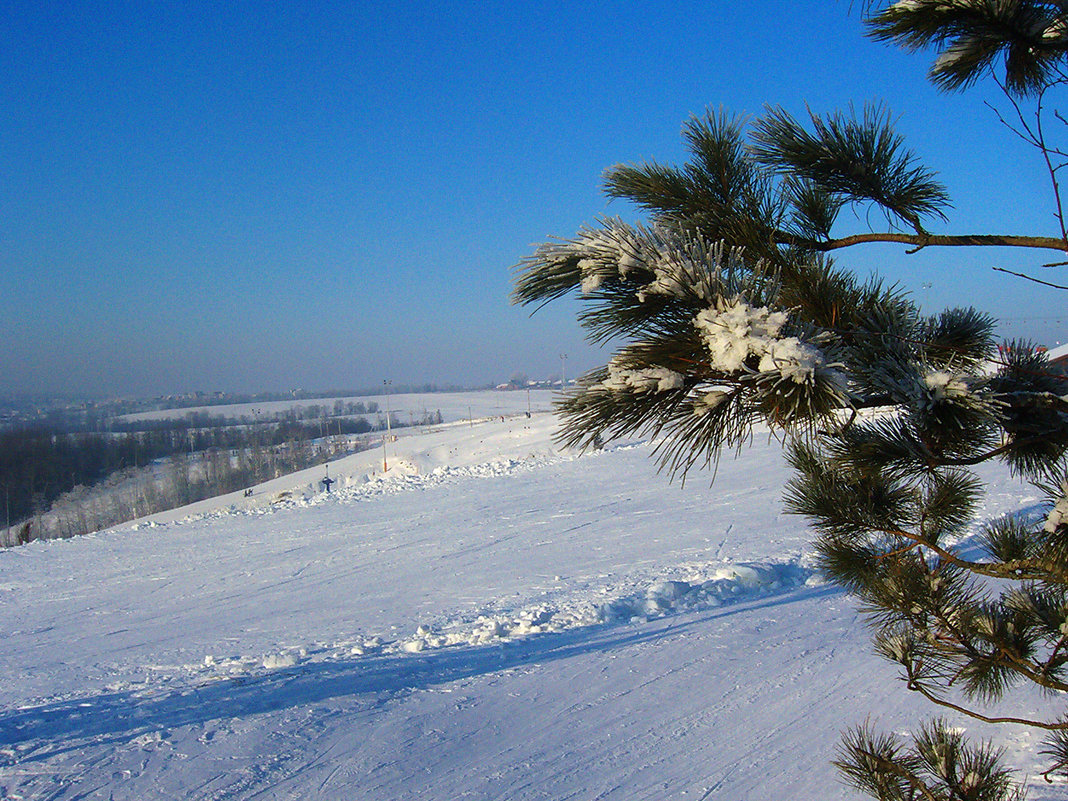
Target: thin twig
(1029, 278)
(1049, 164)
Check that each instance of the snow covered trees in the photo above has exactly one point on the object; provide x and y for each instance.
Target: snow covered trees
(732, 313)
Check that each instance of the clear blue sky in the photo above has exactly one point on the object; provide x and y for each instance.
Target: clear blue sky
(247, 196)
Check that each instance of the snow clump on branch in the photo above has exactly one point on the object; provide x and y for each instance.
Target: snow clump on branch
(646, 379)
(1058, 515)
(735, 331)
(709, 401)
(945, 385)
(683, 265)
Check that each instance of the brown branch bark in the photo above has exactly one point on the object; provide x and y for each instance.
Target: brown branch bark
(1018, 569)
(918, 241)
(934, 699)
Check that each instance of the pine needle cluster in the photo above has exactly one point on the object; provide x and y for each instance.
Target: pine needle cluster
(725, 312)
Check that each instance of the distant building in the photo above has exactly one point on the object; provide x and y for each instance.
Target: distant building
(1058, 355)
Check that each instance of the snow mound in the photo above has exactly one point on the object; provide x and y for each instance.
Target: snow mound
(725, 584)
(636, 599)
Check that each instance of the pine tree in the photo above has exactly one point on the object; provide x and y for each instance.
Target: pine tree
(734, 313)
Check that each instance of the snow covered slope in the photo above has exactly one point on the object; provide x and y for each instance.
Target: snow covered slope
(490, 619)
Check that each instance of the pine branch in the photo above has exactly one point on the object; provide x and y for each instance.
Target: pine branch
(918, 687)
(1017, 569)
(1030, 278)
(1053, 654)
(920, 241)
(937, 461)
(1028, 37)
(893, 767)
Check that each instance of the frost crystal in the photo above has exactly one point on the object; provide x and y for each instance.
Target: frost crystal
(682, 265)
(682, 274)
(674, 278)
(614, 250)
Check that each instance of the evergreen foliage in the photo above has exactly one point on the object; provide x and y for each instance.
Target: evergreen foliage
(1029, 38)
(731, 314)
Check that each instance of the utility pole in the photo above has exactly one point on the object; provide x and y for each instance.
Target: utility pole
(389, 430)
(563, 376)
(7, 513)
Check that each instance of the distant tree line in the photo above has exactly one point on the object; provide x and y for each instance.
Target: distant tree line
(227, 398)
(203, 419)
(39, 466)
(182, 478)
(70, 415)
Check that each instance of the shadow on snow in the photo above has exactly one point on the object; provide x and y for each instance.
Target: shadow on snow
(120, 716)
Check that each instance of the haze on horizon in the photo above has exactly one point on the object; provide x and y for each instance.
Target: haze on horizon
(328, 195)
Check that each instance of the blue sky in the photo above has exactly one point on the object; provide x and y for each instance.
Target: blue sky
(248, 196)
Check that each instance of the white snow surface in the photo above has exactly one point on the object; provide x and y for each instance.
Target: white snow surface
(492, 618)
(452, 405)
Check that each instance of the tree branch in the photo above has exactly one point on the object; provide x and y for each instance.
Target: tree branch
(894, 767)
(1018, 569)
(1056, 650)
(918, 687)
(926, 240)
(939, 461)
(1029, 278)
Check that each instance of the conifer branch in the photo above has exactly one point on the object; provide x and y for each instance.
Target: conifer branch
(917, 686)
(1017, 569)
(972, 461)
(893, 767)
(920, 241)
(732, 315)
(1030, 278)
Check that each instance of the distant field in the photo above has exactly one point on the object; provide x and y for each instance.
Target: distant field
(452, 405)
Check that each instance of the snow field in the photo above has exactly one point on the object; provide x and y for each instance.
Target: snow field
(453, 406)
(491, 618)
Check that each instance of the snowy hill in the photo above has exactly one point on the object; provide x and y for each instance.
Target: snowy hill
(491, 619)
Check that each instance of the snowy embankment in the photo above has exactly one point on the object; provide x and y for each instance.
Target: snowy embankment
(491, 618)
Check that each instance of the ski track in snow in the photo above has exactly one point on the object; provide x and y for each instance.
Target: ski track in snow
(133, 723)
(668, 677)
(132, 719)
